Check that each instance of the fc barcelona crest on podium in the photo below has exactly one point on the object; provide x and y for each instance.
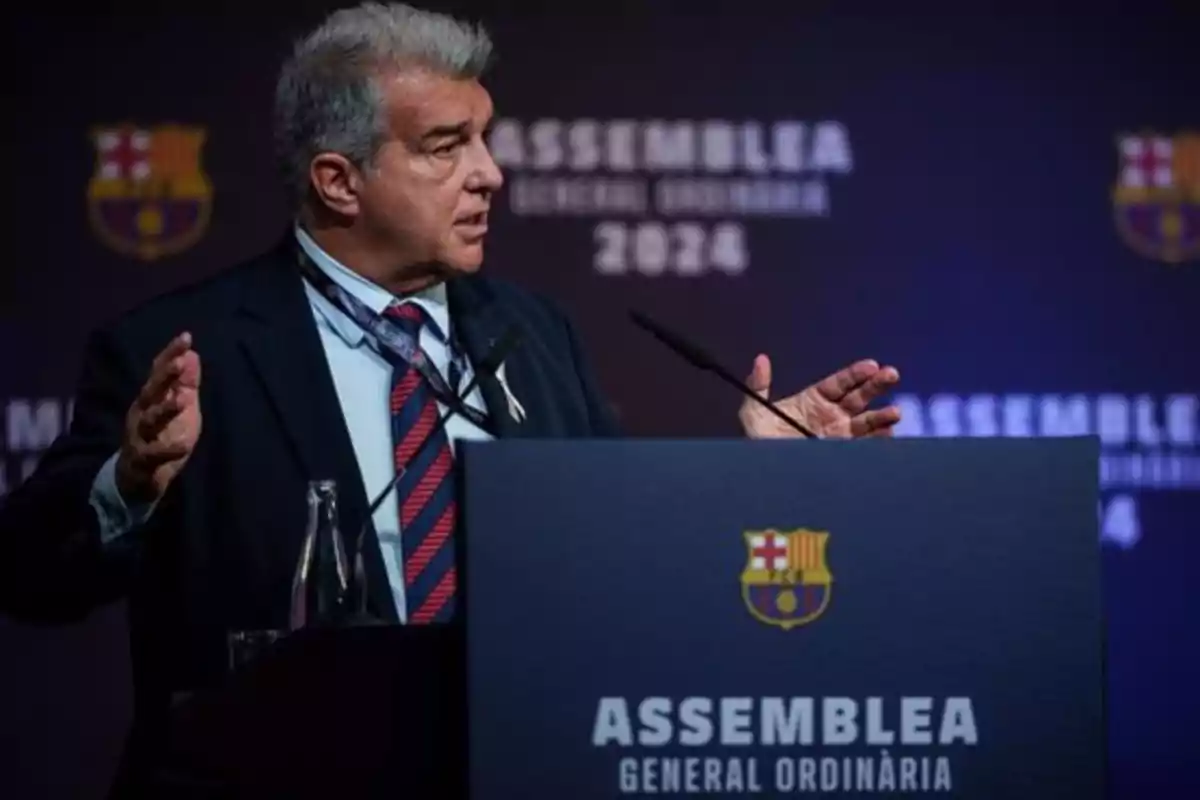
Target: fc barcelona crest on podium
(1157, 196)
(786, 581)
(149, 196)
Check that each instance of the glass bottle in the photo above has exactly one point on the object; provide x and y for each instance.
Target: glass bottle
(319, 587)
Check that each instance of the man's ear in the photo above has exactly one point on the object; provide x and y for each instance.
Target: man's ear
(336, 182)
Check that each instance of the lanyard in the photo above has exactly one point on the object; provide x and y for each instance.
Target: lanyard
(395, 341)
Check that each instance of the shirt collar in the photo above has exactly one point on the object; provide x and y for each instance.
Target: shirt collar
(433, 300)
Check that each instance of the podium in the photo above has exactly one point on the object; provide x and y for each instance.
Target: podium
(719, 618)
(780, 618)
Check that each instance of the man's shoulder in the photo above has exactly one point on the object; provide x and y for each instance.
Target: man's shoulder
(205, 302)
(530, 307)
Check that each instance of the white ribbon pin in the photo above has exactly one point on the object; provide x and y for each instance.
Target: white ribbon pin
(515, 409)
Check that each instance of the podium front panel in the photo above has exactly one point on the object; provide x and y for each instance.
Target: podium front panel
(733, 618)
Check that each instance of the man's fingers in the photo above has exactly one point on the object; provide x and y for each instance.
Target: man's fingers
(158, 416)
(154, 420)
(175, 348)
(839, 384)
(161, 451)
(878, 384)
(156, 386)
(189, 370)
(759, 379)
(166, 367)
(880, 422)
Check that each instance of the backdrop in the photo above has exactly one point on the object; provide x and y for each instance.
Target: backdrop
(1004, 204)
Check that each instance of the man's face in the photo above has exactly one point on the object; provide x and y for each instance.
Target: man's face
(428, 194)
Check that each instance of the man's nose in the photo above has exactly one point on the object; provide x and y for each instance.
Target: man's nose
(487, 173)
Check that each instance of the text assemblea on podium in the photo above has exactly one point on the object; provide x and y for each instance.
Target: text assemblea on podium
(735, 739)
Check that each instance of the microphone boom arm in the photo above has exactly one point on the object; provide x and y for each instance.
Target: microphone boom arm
(695, 356)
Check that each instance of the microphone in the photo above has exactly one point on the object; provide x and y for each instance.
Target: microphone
(697, 357)
(495, 357)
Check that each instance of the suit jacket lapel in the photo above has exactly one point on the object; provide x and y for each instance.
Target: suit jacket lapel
(279, 336)
(480, 323)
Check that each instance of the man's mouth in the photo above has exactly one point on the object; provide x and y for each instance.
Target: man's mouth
(472, 227)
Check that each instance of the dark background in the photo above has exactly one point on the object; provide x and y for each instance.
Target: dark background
(973, 244)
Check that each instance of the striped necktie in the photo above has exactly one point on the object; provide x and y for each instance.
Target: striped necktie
(425, 492)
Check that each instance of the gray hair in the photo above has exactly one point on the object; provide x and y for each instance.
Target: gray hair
(329, 99)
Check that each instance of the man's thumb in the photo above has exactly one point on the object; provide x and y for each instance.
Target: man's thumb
(759, 379)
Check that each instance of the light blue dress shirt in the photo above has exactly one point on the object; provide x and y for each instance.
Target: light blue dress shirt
(363, 379)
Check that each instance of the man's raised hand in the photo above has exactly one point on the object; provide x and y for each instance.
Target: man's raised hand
(162, 425)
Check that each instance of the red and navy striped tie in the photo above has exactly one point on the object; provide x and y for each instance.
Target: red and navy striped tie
(425, 492)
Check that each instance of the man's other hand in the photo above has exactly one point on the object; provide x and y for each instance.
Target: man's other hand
(835, 407)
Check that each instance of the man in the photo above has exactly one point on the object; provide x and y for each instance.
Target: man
(201, 416)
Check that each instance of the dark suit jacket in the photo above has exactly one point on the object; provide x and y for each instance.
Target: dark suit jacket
(219, 552)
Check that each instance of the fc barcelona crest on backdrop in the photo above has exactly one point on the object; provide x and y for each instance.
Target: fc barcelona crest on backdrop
(1157, 196)
(786, 581)
(149, 196)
